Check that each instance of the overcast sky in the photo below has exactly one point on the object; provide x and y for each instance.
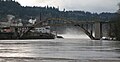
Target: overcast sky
(84, 5)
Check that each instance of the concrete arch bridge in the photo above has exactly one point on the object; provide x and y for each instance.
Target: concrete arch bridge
(94, 26)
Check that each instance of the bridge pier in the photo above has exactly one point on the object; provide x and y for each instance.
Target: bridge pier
(98, 30)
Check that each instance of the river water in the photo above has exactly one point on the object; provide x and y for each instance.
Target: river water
(59, 50)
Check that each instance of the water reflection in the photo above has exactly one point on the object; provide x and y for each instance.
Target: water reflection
(62, 50)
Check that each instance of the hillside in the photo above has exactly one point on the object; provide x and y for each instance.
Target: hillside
(14, 8)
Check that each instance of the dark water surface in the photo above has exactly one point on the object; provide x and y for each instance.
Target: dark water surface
(59, 50)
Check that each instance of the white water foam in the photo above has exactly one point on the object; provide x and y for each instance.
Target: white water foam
(74, 33)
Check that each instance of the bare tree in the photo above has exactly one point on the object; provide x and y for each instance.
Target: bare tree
(119, 8)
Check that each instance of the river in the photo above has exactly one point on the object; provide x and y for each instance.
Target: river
(59, 50)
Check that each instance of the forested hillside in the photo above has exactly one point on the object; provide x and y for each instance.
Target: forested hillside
(25, 12)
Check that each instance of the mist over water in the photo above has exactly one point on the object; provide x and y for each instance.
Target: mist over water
(74, 34)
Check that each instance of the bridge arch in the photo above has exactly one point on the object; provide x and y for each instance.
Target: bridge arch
(61, 22)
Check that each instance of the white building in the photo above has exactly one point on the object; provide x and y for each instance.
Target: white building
(43, 29)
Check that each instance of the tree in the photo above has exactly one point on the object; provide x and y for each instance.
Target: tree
(116, 25)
